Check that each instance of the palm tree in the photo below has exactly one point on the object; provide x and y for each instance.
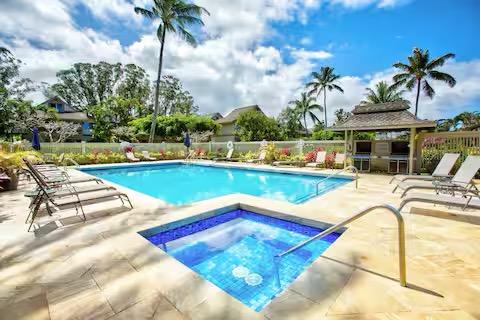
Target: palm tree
(323, 81)
(174, 16)
(383, 93)
(418, 69)
(306, 106)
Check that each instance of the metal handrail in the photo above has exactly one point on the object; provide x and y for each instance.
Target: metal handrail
(401, 237)
(353, 168)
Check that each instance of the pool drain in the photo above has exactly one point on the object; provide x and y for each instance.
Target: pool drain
(253, 279)
(240, 272)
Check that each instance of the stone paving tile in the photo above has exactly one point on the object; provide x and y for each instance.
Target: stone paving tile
(103, 269)
(81, 299)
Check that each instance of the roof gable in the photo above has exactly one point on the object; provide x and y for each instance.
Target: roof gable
(382, 116)
(381, 107)
(235, 113)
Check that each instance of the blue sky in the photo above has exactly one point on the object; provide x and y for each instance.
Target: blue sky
(259, 51)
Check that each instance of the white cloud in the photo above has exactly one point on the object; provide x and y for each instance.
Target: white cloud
(231, 68)
(313, 55)
(355, 4)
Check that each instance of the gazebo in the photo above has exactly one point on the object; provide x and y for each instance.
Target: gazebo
(381, 117)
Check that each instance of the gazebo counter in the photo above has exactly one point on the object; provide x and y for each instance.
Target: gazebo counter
(391, 117)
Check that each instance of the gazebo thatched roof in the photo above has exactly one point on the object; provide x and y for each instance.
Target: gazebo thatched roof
(382, 116)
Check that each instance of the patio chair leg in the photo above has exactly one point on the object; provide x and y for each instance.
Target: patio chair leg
(34, 214)
(129, 202)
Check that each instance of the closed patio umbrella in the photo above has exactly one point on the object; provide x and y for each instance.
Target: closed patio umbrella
(186, 141)
(35, 139)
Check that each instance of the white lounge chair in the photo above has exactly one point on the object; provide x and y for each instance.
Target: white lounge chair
(228, 157)
(261, 157)
(461, 181)
(340, 159)
(146, 156)
(469, 201)
(319, 159)
(442, 170)
(131, 157)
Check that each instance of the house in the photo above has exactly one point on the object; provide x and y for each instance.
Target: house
(68, 113)
(227, 132)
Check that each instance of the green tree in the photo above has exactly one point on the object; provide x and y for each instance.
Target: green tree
(290, 123)
(255, 126)
(341, 116)
(306, 106)
(323, 81)
(468, 121)
(13, 90)
(172, 127)
(174, 99)
(174, 16)
(383, 93)
(419, 69)
(87, 84)
(109, 114)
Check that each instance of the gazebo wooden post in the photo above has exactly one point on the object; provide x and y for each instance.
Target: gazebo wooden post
(413, 132)
(345, 148)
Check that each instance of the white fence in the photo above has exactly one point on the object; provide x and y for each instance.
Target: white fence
(88, 147)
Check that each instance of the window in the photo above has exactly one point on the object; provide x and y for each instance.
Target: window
(59, 107)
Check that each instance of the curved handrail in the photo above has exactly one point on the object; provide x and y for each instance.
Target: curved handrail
(353, 168)
(401, 237)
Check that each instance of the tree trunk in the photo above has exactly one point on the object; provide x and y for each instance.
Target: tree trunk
(157, 89)
(305, 122)
(419, 81)
(325, 105)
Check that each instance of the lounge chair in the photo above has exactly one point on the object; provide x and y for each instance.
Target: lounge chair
(442, 170)
(340, 159)
(319, 159)
(227, 158)
(58, 177)
(69, 198)
(146, 156)
(468, 201)
(131, 157)
(461, 181)
(190, 155)
(261, 157)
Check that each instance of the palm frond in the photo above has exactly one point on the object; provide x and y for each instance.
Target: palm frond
(428, 89)
(403, 66)
(187, 36)
(440, 61)
(401, 77)
(410, 84)
(445, 77)
(336, 87)
(146, 13)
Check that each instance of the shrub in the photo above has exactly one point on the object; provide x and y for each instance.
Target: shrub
(312, 155)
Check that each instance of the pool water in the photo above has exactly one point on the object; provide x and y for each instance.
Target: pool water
(235, 251)
(180, 184)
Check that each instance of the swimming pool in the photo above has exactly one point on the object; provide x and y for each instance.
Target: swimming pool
(180, 183)
(235, 251)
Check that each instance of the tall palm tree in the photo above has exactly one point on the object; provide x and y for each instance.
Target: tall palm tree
(321, 82)
(419, 69)
(383, 93)
(174, 16)
(306, 106)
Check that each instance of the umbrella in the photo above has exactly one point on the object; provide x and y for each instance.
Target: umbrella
(35, 139)
(186, 141)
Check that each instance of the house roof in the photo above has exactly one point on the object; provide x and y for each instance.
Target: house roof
(214, 115)
(57, 98)
(233, 115)
(382, 116)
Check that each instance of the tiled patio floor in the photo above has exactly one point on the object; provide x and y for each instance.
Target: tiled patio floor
(103, 269)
